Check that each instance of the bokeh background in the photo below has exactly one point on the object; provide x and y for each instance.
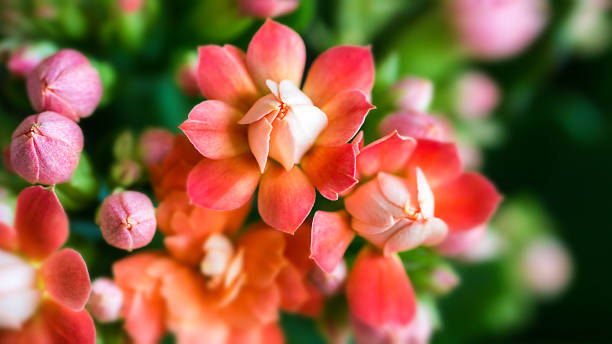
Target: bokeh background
(547, 144)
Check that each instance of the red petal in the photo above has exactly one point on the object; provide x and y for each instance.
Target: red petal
(285, 198)
(263, 255)
(339, 69)
(466, 202)
(40, 222)
(332, 169)
(222, 75)
(388, 154)
(379, 292)
(292, 288)
(276, 53)
(439, 161)
(144, 318)
(297, 248)
(213, 129)
(59, 324)
(331, 235)
(66, 278)
(345, 115)
(8, 237)
(223, 184)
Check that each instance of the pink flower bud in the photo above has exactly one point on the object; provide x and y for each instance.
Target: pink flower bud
(267, 8)
(546, 267)
(130, 6)
(27, 57)
(329, 283)
(154, 145)
(186, 76)
(66, 83)
(413, 93)
(127, 220)
(494, 29)
(46, 148)
(477, 95)
(443, 280)
(106, 300)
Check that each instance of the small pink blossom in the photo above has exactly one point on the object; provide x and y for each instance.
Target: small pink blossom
(127, 220)
(106, 300)
(23, 60)
(476, 96)
(546, 267)
(267, 8)
(46, 148)
(413, 93)
(154, 144)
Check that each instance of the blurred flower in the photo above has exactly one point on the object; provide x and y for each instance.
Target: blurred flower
(127, 220)
(187, 75)
(416, 124)
(66, 83)
(329, 283)
(256, 111)
(46, 148)
(105, 301)
(495, 29)
(267, 8)
(589, 25)
(23, 60)
(477, 95)
(7, 207)
(546, 267)
(154, 144)
(126, 172)
(130, 6)
(45, 295)
(413, 93)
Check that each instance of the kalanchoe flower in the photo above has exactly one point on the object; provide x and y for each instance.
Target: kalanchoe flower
(106, 300)
(494, 29)
(27, 57)
(476, 95)
(154, 144)
(413, 93)
(54, 309)
(66, 83)
(46, 148)
(267, 8)
(259, 128)
(127, 220)
(546, 267)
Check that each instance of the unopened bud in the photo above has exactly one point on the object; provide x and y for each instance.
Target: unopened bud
(477, 95)
(267, 8)
(546, 267)
(126, 172)
(413, 93)
(154, 145)
(105, 301)
(27, 57)
(186, 75)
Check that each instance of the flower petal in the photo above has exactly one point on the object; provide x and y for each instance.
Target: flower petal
(466, 202)
(388, 154)
(8, 237)
(292, 288)
(40, 222)
(212, 129)
(222, 75)
(439, 161)
(331, 235)
(285, 198)
(369, 205)
(259, 141)
(276, 53)
(264, 106)
(332, 169)
(223, 184)
(263, 255)
(59, 324)
(66, 278)
(428, 232)
(16, 308)
(339, 69)
(345, 114)
(379, 292)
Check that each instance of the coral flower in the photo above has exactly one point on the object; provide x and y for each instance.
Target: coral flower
(44, 290)
(259, 128)
(267, 8)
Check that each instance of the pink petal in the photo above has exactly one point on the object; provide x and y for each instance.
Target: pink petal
(466, 202)
(285, 198)
(222, 75)
(259, 141)
(439, 161)
(40, 222)
(415, 124)
(388, 154)
(339, 69)
(379, 292)
(8, 237)
(59, 324)
(212, 128)
(75, 93)
(431, 231)
(263, 106)
(331, 235)
(267, 8)
(66, 278)
(223, 184)
(369, 205)
(276, 53)
(332, 169)
(345, 115)
(144, 318)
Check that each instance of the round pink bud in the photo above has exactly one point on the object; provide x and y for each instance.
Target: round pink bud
(46, 148)
(154, 145)
(267, 8)
(66, 83)
(127, 220)
(477, 95)
(27, 57)
(546, 267)
(413, 93)
(106, 300)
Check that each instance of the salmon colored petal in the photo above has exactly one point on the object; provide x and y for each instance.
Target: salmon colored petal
(263, 255)
(40, 222)
(213, 129)
(439, 161)
(466, 202)
(144, 318)
(297, 248)
(285, 198)
(332, 169)
(253, 307)
(292, 289)
(331, 236)
(59, 324)
(431, 231)
(262, 107)
(345, 115)
(223, 184)
(66, 278)
(388, 154)
(184, 248)
(339, 69)
(314, 305)
(369, 205)
(276, 53)
(379, 292)
(130, 272)
(8, 237)
(259, 141)
(222, 75)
